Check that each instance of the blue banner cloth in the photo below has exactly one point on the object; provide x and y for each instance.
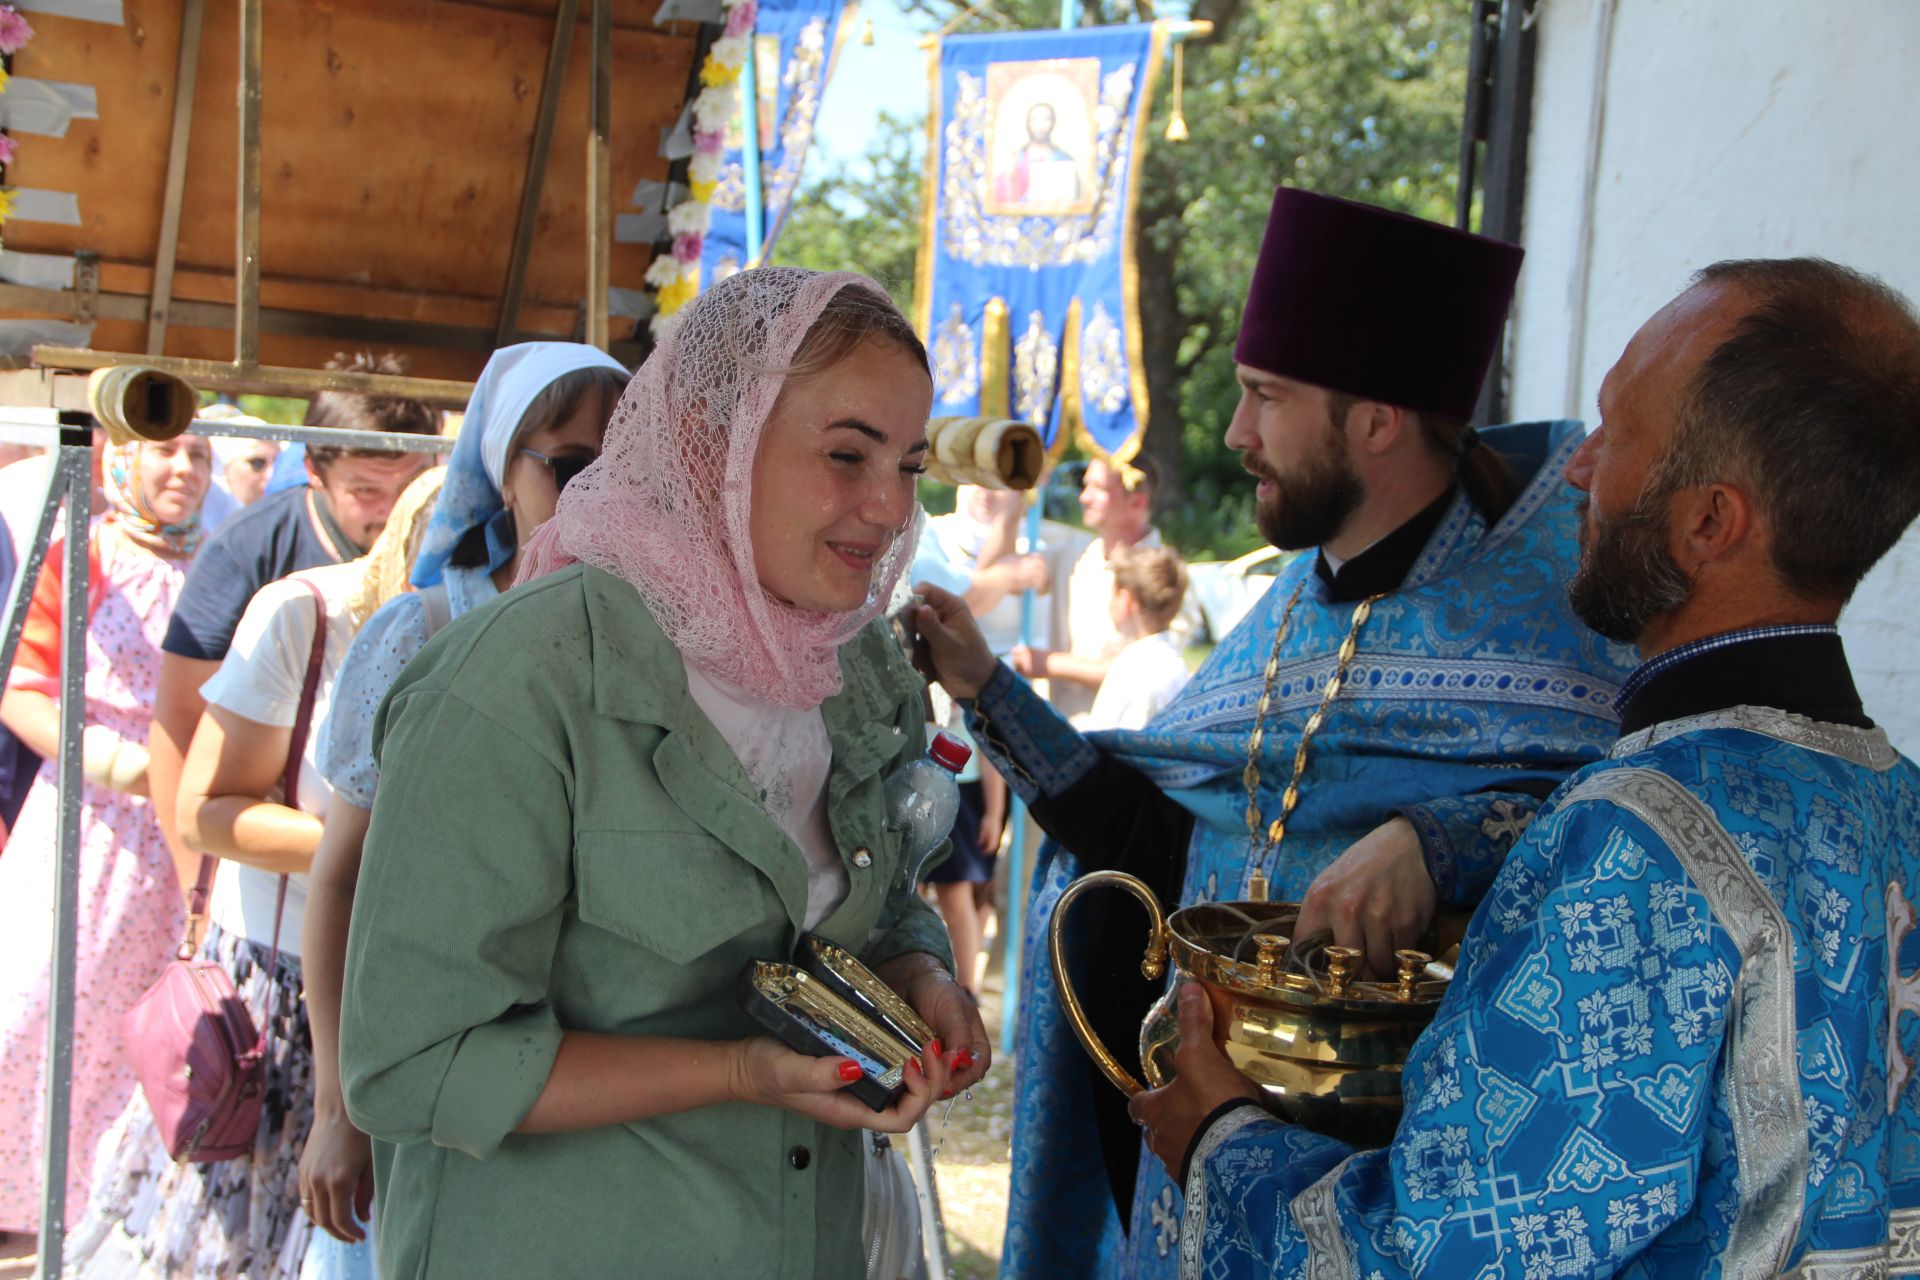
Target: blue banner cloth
(795, 44)
(1034, 160)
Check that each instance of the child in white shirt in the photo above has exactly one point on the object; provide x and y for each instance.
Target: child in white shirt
(1149, 584)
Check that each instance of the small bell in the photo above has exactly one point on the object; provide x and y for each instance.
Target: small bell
(1177, 120)
(866, 32)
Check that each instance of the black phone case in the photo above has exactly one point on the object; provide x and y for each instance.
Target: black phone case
(804, 1037)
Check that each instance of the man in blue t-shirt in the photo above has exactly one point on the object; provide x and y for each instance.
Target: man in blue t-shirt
(332, 518)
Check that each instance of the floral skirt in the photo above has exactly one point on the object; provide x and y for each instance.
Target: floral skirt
(151, 1218)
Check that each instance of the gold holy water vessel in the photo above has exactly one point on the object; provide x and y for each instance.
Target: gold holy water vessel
(1326, 1045)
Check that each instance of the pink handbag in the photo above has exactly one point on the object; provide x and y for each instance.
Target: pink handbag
(199, 1058)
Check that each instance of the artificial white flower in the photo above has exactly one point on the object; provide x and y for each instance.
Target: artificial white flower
(664, 271)
(729, 51)
(716, 107)
(703, 167)
(689, 215)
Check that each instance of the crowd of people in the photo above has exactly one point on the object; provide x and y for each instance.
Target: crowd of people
(482, 782)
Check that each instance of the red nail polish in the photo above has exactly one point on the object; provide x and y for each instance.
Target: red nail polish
(915, 1064)
(850, 1071)
(963, 1059)
(948, 1094)
(934, 1048)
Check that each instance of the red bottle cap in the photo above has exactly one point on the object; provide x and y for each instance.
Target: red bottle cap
(950, 752)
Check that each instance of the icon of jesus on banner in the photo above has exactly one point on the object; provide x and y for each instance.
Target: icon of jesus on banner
(1041, 140)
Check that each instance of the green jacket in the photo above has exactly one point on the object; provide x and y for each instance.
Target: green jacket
(563, 840)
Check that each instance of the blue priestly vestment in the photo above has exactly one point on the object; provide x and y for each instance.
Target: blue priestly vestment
(1473, 693)
(1674, 1045)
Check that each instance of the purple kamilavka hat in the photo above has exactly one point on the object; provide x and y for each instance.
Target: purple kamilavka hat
(1376, 304)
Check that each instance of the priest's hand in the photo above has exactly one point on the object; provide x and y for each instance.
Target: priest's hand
(1376, 896)
(951, 648)
(1203, 1081)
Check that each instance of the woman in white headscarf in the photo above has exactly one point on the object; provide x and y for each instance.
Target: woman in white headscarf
(535, 420)
(608, 794)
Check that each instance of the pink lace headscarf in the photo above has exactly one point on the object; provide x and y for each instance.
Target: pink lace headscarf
(666, 507)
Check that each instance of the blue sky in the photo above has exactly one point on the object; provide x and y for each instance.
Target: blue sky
(891, 73)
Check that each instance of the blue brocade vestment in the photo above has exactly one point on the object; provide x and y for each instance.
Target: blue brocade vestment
(1474, 690)
(1673, 1047)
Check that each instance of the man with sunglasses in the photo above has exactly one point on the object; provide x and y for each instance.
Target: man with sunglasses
(333, 518)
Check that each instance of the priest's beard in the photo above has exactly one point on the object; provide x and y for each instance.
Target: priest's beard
(1309, 506)
(1626, 577)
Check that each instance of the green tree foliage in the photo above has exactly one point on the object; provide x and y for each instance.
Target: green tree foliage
(1355, 98)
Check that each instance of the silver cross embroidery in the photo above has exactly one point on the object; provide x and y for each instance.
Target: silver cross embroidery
(1903, 990)
(1166, 1226)
(1506, 823)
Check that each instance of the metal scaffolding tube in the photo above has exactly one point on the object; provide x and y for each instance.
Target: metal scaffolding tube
(75, 469)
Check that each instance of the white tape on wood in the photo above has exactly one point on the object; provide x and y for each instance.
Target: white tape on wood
(638, 228)
(35, 204)
(107, 11)
(36, 270)
(47, 106)
(19, 337)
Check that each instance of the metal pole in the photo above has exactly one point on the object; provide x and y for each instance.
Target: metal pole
(1017, 824)
(76, 471)
(246, 280)
(933, 1228)
(1017, 814)
(600, 177)
(750, 149)
(28, 572)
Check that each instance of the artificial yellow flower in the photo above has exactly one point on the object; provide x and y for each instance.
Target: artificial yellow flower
(715, 73)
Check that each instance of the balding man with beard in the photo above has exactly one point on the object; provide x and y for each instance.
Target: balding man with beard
(1679, 1038)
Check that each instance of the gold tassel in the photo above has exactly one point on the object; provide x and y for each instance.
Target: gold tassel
(1176, 122)
(866, 32)
(996, 360)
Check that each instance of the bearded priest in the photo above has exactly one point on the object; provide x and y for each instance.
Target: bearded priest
(1369, 741)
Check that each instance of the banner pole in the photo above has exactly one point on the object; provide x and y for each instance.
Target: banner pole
(1017, 814)
(750, 146)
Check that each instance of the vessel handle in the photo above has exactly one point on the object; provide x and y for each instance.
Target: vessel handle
(1152, 965)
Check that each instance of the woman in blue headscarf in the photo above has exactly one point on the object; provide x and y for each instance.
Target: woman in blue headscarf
(536, 419)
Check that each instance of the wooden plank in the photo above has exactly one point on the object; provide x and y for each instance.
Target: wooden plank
(562, 44)
(395, 132)
(218, 375)
(246, 320)
(599, 177)
(191, 15)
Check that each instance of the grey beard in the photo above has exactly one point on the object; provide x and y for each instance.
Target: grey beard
(1626, 577)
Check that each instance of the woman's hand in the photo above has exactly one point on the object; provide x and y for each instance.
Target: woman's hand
(761, 1070)
(336, 1175)
(960, 1043)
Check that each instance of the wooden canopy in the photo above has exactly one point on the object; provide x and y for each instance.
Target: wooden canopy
(398, 140)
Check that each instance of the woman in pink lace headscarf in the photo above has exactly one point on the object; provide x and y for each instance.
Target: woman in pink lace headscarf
(605, 795)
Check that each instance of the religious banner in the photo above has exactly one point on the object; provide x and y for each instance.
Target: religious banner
(795, 46)
(1027, 291)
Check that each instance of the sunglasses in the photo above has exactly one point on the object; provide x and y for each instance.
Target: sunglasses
(563, 468)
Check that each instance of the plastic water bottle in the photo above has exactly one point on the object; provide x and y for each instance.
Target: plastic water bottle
(923, 798)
